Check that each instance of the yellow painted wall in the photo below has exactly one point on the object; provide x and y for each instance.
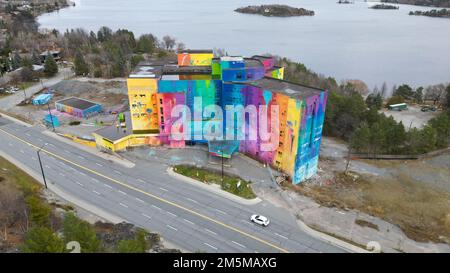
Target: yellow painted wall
(292, 130)
(195, 59)
(143, 104)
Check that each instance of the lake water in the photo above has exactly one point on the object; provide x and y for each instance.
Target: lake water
(343, 41)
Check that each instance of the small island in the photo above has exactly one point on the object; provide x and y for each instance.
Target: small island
(384, 6)
(442, 13)
(275, 11)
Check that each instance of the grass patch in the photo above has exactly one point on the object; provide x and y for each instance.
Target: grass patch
(230, 183)
(18, 178)
(420, 211)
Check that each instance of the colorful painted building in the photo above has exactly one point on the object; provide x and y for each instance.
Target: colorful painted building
(198, 80)
(77, 107)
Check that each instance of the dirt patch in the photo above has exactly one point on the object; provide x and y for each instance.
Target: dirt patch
(421, 212)
(364, 223)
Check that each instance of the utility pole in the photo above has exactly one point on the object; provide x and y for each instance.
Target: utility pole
(51, 117)
(40, 164)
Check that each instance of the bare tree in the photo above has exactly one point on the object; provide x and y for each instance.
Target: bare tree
(168, 42)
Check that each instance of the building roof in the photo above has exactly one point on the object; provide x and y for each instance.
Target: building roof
(293, 90)
(114, 132)
(77, 103)
(196, 51)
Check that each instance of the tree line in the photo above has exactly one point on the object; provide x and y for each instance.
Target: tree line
(358, 121)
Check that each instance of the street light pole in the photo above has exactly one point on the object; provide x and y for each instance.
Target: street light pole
(40, 164)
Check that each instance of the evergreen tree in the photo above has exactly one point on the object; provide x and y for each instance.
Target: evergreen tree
(42, 240)
(81, 67)
(448, 97)
(50, 66)
(36, 59)
(136, 245)
(39, 211)
(78, 230)
(16, 61)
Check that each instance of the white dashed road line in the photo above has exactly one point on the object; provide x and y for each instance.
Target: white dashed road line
(98, 164)
(236, 243)
(80, 184)
(162, 189)
(174, 215)
(123, 205)
(158, 208)
(210, 231)
(171, 227)
(279, 235)
(187, 221)
(108, 186)
(124, 193)
(220, 211)
(140, 200)
(146, 216)
(211, 246)
(96, 192)
(192, 200)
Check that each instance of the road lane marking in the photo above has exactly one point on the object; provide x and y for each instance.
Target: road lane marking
(145, 215)
(98, 164)
(220, 211)
(200, 215)
(140, 180)
(174, 215)
(119, 173)
(124, 193)
(95, 180)
(22, 152)
(156, 207)
(192, 200)
(34, 158)
(108, 186)
(123, 205)
(279, 235)
(187, 221)
(96, 192)
(82, 173)
(28, 134)
(62, 174)
(80, 157)
(67, 151)
(140, 200)
(210, 231)
(171, 227)
(213, 247)
(236, 243)
(80, 184)
(162, 189)
(47, 166)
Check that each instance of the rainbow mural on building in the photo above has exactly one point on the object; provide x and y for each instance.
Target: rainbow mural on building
(197, 80)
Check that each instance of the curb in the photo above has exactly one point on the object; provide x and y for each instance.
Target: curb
(114, 158)
(213, 189)
(330, 239)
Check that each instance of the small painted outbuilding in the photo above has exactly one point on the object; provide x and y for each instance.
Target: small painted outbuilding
(77, 107)
(42, 99)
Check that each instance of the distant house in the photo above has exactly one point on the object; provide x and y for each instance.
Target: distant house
(398, 107)
(54, 53)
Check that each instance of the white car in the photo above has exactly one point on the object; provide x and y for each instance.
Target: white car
(260, 220)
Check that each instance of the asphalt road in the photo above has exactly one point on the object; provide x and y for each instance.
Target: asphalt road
(194, 219)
